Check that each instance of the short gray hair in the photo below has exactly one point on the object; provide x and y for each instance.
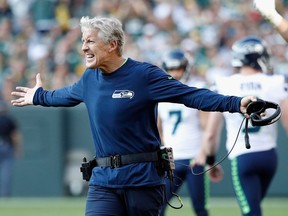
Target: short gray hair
(110, 29)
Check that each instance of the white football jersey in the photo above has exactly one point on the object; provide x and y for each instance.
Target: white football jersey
(267, 87)
(181, 127)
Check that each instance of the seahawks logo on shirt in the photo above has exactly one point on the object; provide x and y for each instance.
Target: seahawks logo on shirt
(123, 94)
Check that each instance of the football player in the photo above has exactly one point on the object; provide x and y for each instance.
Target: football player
(181, 128)
(252, 170)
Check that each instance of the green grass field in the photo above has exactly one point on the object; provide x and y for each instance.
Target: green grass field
(75, 207)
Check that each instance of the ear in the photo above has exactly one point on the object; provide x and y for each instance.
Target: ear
(113, 45)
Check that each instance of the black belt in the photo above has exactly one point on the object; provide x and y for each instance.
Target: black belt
(120, 160)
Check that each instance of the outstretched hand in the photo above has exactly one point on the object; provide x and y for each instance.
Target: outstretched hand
(25, 95)
(244, 103)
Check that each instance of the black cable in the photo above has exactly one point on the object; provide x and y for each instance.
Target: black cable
(224, 158)
(176, 195)
(201, 173)
(180, 180)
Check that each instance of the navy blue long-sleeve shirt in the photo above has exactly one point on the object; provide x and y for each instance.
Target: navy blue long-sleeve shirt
(122, 109)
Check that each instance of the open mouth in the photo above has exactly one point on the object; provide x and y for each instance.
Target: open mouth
(89, 56)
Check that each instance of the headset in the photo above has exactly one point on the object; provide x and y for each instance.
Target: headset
(254, 110)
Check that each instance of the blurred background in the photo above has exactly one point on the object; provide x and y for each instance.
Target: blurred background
(43, 36)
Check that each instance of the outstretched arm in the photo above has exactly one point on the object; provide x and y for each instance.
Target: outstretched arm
(25, 95)
(268, 10)
(213, 128)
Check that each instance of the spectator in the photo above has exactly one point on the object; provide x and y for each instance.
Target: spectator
(10, 140)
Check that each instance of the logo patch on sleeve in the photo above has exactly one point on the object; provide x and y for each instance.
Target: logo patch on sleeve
(123, 94)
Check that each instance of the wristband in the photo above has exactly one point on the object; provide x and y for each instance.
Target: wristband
(210, 160)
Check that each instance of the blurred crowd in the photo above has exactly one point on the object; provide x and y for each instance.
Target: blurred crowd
(43, 36)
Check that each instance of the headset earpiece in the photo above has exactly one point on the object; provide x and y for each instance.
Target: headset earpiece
(256, 107)
(254, 110)
(255, 116)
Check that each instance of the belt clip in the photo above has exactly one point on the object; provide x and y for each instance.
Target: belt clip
(115, 161)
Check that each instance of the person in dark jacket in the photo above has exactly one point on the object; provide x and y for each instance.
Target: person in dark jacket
(121, 96)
